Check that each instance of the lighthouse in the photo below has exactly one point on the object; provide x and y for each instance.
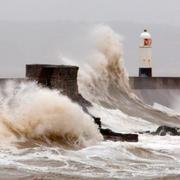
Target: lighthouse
(145, 68)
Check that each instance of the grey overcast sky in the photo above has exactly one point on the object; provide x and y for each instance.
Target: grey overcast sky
(151, 11)
(39, 31)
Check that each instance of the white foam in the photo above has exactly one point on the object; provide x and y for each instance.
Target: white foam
(30, 111)
(118, 121)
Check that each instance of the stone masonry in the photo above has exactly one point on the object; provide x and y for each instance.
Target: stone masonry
(60, 77)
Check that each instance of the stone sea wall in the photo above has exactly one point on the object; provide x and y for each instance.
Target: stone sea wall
(154, 82)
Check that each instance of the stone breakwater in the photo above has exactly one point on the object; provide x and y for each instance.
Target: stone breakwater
(60, 77)
(154, 82)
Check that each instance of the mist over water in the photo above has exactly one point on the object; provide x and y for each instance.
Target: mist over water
(43, 133)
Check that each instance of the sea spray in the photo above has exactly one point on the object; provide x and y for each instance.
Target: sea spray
(106, 73)
(105, 81)
(32, 112)
(152, 157)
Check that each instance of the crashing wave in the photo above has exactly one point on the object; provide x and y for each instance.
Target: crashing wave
(31, 112)
(105, 81)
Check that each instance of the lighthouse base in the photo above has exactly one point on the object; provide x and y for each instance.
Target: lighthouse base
(145, 72)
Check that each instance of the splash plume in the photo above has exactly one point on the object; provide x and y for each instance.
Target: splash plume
(32, 112)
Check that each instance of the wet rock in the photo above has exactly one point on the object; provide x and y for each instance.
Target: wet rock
(166, 130)
(108, 134)
(163, 131)
(144, 132)
(113, 136)
(97, 120)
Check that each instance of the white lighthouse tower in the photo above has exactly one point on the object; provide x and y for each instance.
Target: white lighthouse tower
(145, 69)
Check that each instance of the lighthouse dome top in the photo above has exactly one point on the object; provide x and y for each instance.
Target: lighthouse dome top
(145, 35)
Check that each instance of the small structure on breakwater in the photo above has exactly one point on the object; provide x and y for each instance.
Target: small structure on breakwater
(60, 77)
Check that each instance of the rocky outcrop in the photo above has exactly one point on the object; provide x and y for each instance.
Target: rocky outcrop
(108, 134)
(97, 121)
(166, 130)
(163, 131)
(113, 136)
